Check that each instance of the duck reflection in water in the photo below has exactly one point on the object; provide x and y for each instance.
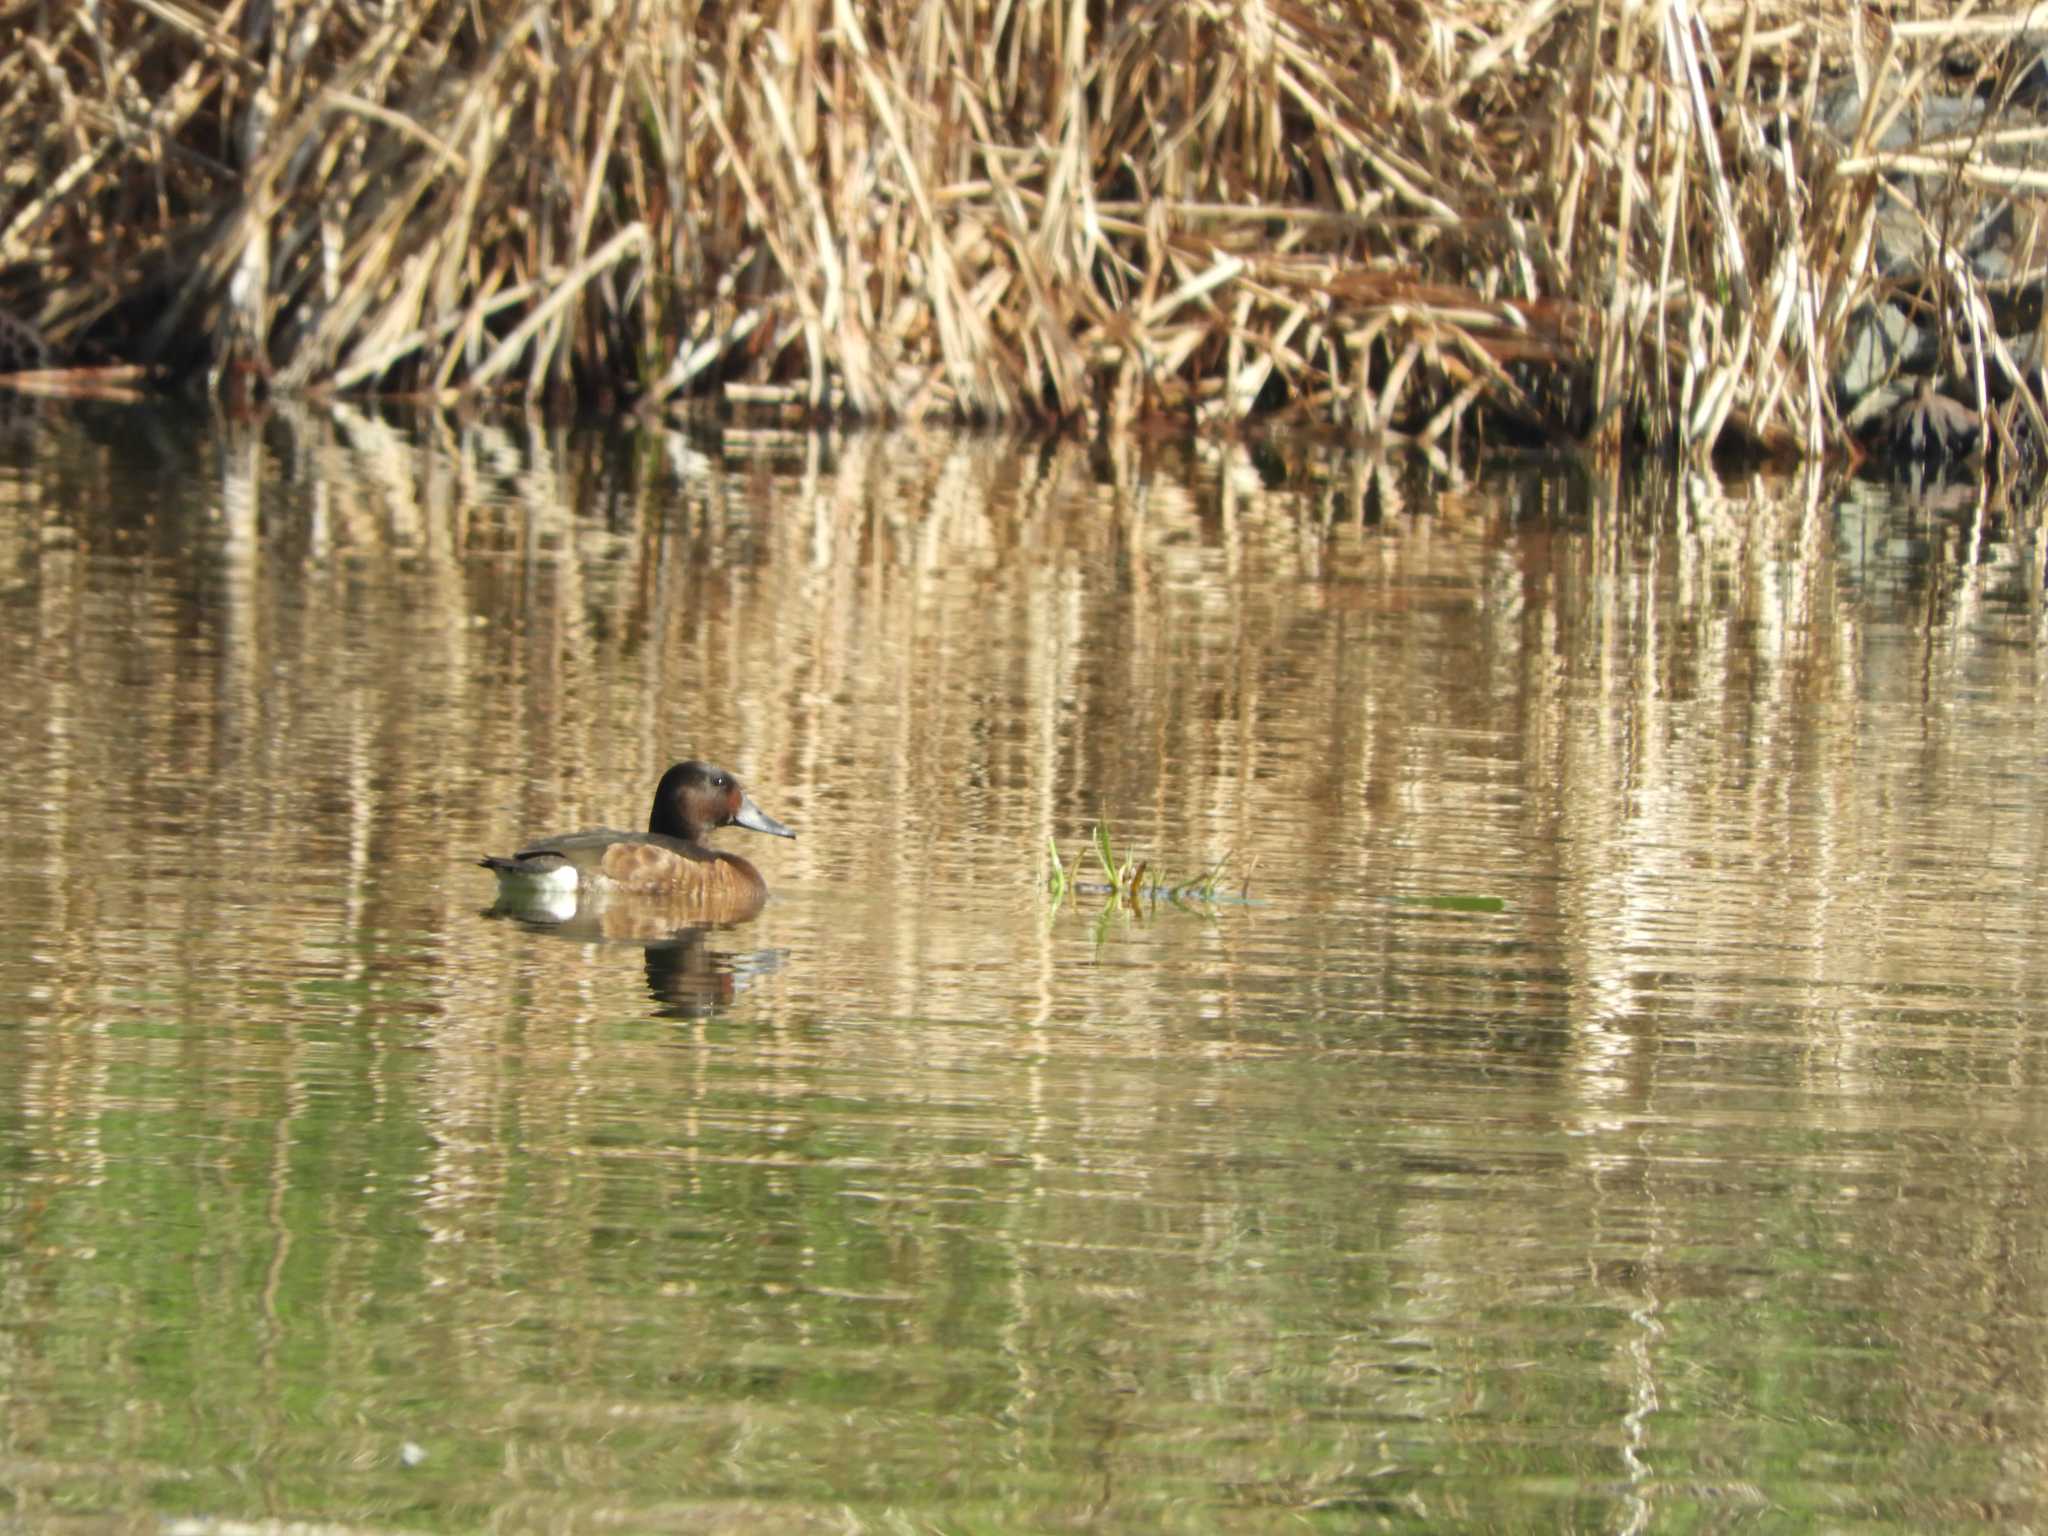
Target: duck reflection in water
(663, 888)
(687, 976)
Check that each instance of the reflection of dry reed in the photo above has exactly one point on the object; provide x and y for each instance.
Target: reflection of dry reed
(427, 643)
(1383, 213)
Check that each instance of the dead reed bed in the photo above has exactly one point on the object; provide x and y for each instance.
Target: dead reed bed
(1589, 222)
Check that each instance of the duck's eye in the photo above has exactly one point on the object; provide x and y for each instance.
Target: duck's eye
(723, 781)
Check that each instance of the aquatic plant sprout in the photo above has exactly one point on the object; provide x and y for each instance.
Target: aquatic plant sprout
(1125, 879)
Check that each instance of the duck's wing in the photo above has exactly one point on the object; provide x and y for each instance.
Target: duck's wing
(582, 852)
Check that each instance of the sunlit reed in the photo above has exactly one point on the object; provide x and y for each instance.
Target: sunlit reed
(1573, 222)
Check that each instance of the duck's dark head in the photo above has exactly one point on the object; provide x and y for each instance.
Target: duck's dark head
(695, 797)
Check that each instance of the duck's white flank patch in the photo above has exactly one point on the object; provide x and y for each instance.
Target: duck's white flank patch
(562, 878)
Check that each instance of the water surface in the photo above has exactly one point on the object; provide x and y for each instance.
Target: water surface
(1605, 1094)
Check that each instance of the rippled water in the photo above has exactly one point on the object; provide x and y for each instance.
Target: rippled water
(1604, 1091)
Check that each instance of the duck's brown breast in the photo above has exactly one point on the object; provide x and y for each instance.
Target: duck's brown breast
(723, 884)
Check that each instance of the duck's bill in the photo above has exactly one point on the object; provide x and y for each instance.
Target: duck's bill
(754, 819)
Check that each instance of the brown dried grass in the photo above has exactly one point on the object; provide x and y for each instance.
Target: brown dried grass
(1383, 214)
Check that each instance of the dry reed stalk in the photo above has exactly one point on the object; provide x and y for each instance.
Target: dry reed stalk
(1591, 222)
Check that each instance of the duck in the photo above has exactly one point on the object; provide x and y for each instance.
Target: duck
(669, 861)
